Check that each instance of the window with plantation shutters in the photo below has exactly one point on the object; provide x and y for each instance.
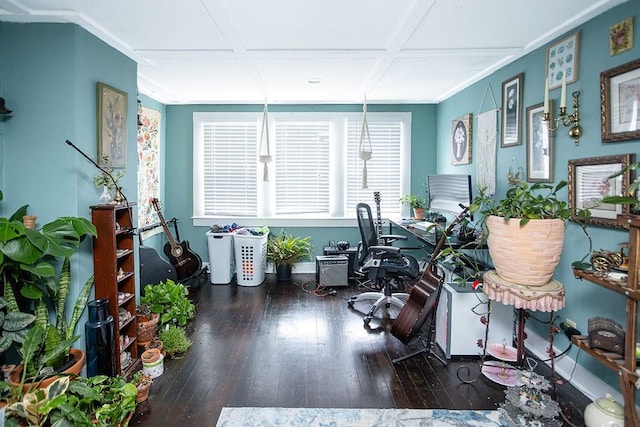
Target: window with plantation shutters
(315, 171)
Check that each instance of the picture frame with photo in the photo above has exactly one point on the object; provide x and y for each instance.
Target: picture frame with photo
(589, 183)
(512, 111)
(562, 60)
(461, 137)
(112, 126)
(620, 102)
(540, 145)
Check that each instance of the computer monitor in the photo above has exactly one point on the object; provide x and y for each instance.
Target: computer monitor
(447, 191)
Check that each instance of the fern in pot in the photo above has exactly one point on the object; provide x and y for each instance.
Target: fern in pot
(285, 250)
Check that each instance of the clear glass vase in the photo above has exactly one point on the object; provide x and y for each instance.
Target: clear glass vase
(105, 197)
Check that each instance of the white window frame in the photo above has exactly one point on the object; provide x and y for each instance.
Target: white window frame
(338, 158)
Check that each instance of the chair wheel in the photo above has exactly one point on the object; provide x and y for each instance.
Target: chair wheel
(367, 320)
(350, 304)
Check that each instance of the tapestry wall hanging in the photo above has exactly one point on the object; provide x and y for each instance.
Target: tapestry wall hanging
(148, 169)
(486, 151)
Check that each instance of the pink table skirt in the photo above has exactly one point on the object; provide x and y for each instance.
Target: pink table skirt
(549, 297)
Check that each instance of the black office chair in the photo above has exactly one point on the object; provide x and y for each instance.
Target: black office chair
(383, 266)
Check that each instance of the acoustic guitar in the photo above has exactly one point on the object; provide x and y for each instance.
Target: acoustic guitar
(185, 261)
(424, 294)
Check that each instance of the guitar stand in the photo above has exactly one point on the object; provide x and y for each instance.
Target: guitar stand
(427, 347)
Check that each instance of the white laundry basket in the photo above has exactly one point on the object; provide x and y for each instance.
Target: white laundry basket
(251, 258)
(221, 265)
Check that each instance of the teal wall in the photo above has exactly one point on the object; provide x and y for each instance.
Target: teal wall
(179, 189)
(583, 300)
(48, 76)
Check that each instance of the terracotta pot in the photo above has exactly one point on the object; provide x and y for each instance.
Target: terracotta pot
(527, 255)
(75, 369)
(147, 329)
(143, 392)
(418, 213)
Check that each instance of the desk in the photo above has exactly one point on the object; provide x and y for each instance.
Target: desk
(429, 239)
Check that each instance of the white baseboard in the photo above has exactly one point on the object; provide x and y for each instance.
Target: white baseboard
(583, 380)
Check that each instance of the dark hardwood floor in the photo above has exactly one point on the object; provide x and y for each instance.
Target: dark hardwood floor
(277, 345)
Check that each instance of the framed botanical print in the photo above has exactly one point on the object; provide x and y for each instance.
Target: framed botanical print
(620, 102)
(590, 180)
(461, 140)
(539, 145)
(562, 61)
(112, 127)
(511, 111)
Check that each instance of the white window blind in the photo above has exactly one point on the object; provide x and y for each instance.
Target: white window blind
(383, 169)
(315, 172)
(229, 152)
(302, 167)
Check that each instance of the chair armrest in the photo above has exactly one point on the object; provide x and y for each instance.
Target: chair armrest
(392, 237)
(389, 249)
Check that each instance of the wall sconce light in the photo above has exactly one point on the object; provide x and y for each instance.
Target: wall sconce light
(567, 120)
(139, 113)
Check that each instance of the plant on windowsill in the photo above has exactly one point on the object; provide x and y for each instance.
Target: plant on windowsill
(417, 203)
(284, 250)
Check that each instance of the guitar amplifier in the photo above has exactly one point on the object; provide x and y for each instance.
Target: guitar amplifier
(332, 270)
(349, 252)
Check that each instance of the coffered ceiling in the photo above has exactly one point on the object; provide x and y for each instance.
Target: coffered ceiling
(300, 51)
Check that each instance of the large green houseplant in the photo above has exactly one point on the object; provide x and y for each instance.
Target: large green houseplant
(29, 260)
(284, 250)
(525, 230)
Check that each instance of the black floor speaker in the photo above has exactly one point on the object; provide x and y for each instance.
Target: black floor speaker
(332, 270)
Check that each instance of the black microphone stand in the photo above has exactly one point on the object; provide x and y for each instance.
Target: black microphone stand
(119, 197)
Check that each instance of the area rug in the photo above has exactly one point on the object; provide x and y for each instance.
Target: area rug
(330, 417)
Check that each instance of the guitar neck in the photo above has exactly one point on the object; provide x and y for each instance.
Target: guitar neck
(379, 215)
(165, 227)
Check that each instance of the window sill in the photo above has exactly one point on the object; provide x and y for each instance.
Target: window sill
(276, 222)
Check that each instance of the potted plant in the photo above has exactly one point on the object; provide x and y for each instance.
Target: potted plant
(171, 301)
(284, 250)
(175, 341)
(525, 231)
(417, 203)
(143, 383)
(147, 324)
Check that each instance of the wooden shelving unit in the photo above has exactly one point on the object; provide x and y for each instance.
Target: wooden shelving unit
(114, 267)
(624, 365)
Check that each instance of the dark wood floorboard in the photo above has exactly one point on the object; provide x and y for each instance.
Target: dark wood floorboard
(277, 345)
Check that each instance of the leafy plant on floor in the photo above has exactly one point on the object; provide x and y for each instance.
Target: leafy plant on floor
(175, 341)
(171, 301)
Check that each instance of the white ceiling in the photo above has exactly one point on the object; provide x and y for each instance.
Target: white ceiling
(241, 51)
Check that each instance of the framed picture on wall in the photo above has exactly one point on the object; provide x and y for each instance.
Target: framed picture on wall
(511, 111)
(590, 182)
(461, 140)
(562, 61)
(620, 102)
(539, 145)
(112, 126)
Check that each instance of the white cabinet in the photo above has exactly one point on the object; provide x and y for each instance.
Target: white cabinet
(458, 327)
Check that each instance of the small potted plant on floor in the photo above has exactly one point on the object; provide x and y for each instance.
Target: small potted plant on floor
(171, 301)
(143, 383)
(417, 203)
(175, 341)
(284, 250)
